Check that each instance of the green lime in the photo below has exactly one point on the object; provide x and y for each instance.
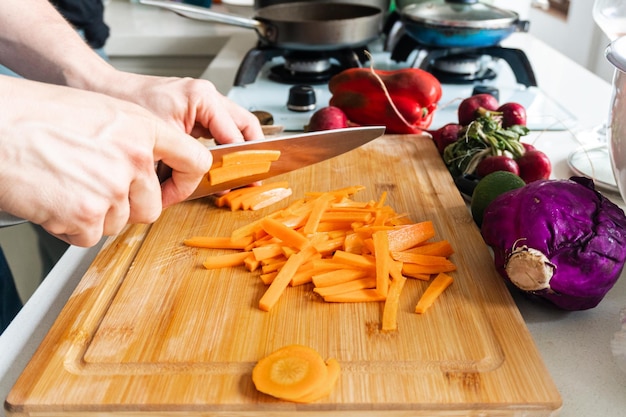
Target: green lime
(490, 187)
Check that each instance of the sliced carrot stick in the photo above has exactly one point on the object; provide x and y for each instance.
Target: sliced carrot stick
(348, 216)
(356, 296)
(434, 290)
(267, 251)
(281, 281)
(251, 262)
(390, 309)
(336, 277)
(268, 277)
(222, 261)
(266, 198)
(330, 245)
(234, 198)
(411, 269)
(352, 259)
(250, 156)
(348, 286)
(217, 242)
(222, 174)
(381, 251)
(273, 266)
(405, 237)
(319, 207)
(418, 258)
(284, 233)
(439, 248)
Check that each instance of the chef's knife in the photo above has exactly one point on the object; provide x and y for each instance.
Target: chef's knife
(296, 151)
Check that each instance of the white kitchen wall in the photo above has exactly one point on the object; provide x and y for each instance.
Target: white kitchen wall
(576, 36)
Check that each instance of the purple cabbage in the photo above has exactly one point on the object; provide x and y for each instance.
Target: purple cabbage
(559, 240)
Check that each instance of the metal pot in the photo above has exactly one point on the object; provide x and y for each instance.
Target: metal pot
(297, 26)
(459, 23)
(616, 133)
(382, 4)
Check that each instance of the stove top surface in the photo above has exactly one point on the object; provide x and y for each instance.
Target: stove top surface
(271, 96)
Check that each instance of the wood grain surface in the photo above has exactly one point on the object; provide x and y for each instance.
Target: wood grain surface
(150, 331)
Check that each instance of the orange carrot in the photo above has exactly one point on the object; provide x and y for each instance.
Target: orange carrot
(317, 211)
(284, 233)
(290, 373)
(356, 296)
(222, 261)
(281, 281)
(405, 237)
(265, 198)
(418, 258)
(381, 251)
(348, 286)
(439, 248)
(217, 242)
(390, 309)
(336, 277)
(223, 174)
(267, 251)
(434, 290)
(411, 269)
(250, 156)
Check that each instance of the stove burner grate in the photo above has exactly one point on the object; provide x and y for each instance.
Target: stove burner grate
(515, 58)
(312, 67)
(282, 74)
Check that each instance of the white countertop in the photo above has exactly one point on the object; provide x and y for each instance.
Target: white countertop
(575, 345)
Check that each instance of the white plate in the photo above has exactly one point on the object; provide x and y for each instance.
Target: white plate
(593, 162)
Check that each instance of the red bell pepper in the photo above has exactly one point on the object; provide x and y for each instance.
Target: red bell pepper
(362, 97)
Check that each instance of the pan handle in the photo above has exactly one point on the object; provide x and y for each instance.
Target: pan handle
(203, 13)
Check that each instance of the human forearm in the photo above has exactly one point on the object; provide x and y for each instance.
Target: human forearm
(37, 42)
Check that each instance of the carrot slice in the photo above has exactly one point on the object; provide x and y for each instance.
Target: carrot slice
(405, 237)
(222, 261)
(359, 261)
(222, 174)
(336, 277)
(434, 290)
(325, 387)
(250, 156)
(267, 251)
(439, 248)
(348, 286)
(287, 235)
(381, 251)
(289, 373)
(266, 198)
(356, 296)
(418, 258)
(218, 242)
(317, 211)
(281, 281)
(412, 269)
(390, 309)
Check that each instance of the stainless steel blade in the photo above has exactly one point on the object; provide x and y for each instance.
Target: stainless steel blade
(296, 151)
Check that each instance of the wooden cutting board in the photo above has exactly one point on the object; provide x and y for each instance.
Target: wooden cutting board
(150, 331)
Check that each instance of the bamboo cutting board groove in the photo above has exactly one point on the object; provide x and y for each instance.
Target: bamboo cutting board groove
(149, 331)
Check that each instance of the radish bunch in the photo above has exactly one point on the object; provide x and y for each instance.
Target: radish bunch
(487, 139)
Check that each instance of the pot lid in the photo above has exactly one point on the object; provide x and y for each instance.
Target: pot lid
(459, 13)
(616, 53)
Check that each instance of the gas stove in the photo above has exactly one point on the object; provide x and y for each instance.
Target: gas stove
(268, 79)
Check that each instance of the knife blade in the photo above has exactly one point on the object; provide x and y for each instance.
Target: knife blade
(296, 151)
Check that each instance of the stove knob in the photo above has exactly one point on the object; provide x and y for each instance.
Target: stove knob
(485, 89)
(301, 98)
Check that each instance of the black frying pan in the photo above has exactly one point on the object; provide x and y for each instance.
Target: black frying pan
(297, 26)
